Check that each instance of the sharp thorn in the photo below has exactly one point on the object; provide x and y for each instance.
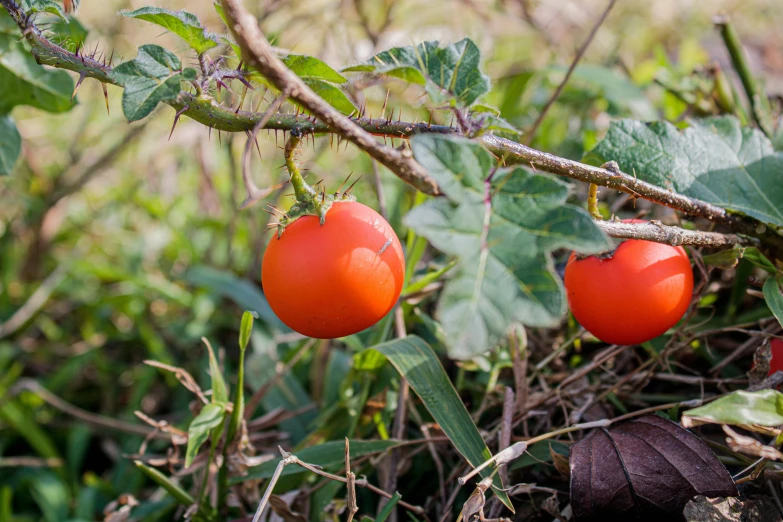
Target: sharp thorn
(344, 182)
(385, 101)
(176, 119)
(106, 97)
(353, 184)
(82, 76)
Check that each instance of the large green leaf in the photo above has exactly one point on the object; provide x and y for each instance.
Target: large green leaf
(10, 144)
(326, 455)
(419, 365)
(210, 417)
(505, 272)
(773, 297)
(150, 78)
(333, 95)
(450, 71)
(24, 82)
(185, 25)
(315, 73)
(311, 67)
(714, 160)
(763, 408)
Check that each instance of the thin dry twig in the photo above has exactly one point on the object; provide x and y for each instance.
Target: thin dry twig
(579, 53)
(288, 458)
(94, 419)
(255, 194)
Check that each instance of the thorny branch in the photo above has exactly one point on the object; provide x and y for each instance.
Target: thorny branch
(360, 130)
(259, 54)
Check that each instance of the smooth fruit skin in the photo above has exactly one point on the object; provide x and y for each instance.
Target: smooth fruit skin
(776, 346)
(337, 279)
(636, 295)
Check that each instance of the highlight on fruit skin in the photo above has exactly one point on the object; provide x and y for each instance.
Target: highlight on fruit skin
(632, 295)
(337, 279)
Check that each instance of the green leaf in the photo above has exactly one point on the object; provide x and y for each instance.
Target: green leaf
(173, 489)
(222, 14)
(753, 255)
(387, 508)
(211, 416)
(219, 387)
(10, 144)
(714, 160)
(152, 77)
(24, 82)
(773, 297)
(43, 6)
(419, 365)
(492, 120)
(311, 67)
(245, 329)
(725, 259)
(504, 272)
(762, 408)
(333, 95)
(185, 25)
(325, 455)
(446, 72)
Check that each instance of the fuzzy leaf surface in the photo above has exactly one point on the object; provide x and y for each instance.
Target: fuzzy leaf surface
(452, 71)
(715, 160)
(504, 272)
(150, 78)
(185, 25)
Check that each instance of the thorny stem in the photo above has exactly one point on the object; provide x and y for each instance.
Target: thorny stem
(205, 110)
(302, 189)
(259, 55)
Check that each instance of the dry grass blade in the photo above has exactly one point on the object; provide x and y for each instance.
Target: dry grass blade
(182, 376)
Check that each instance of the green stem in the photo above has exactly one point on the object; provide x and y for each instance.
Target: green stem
(759, 108)
(304, 192)
(234, 427)
(592, 201)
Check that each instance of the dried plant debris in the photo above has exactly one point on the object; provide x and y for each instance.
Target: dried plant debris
(703, 509)
(641, 470)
